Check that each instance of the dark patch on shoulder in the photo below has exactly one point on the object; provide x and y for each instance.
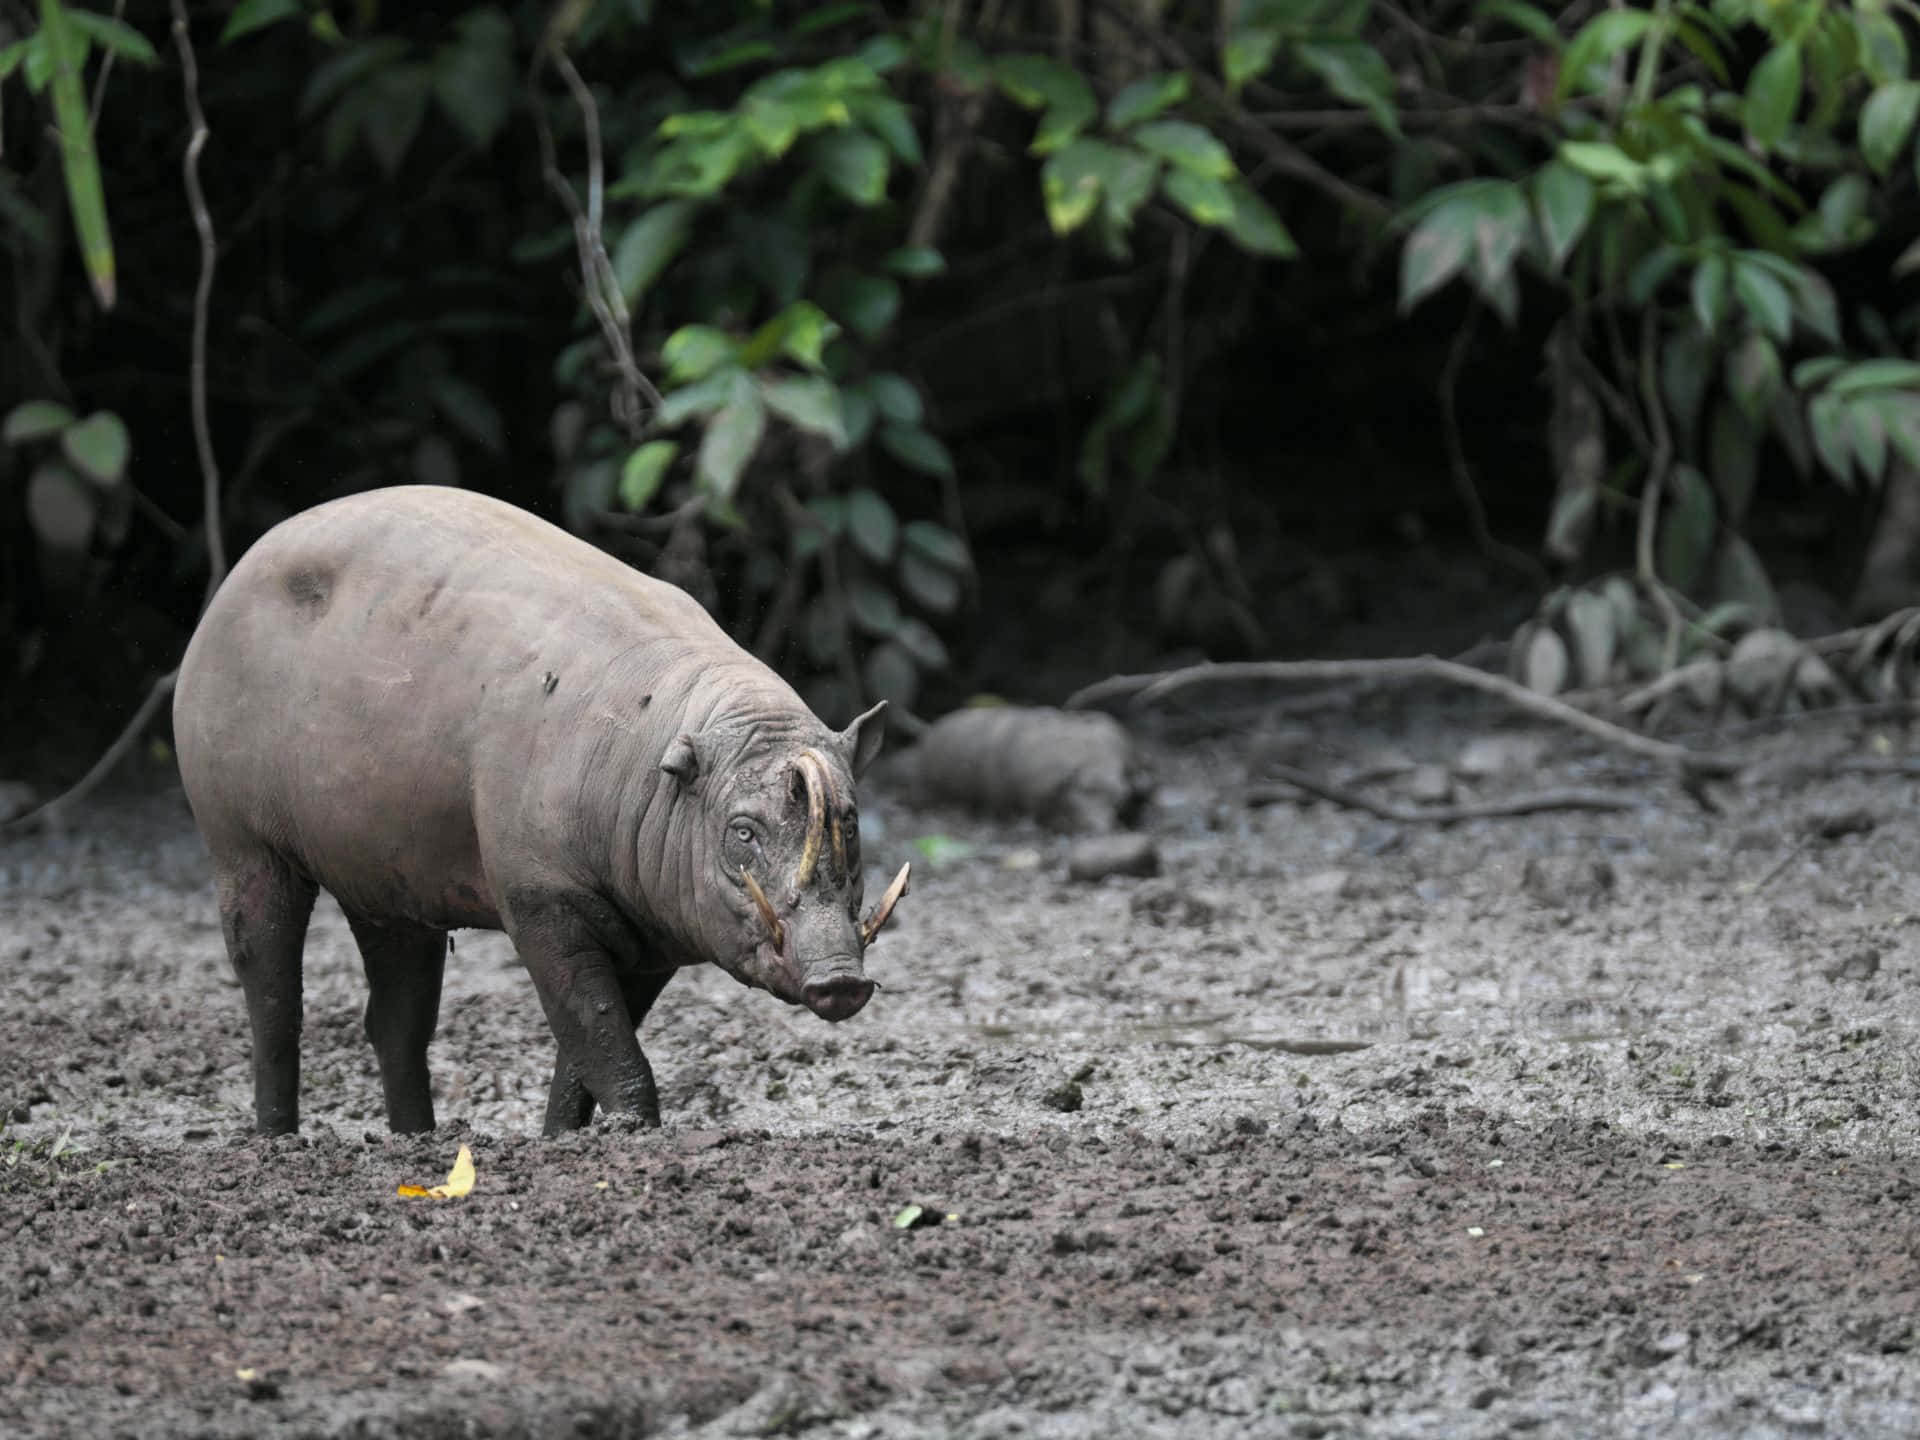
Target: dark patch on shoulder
(310, 587)
(432, 595)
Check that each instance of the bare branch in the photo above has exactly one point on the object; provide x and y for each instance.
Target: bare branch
(202, 298)
(1146, 689)
(1292, 780)
(634, 395)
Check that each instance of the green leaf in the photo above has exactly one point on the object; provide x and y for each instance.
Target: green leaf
(473, 78)
(916, 262)
(883, 53)
(812, 402)
(1739, 578)
(470, 411)
(339, 74)
(1826, 418)
(1563, 198)
(800, 331)
(1070, 184)
(1773, 94)
(62, 508)
(938, 546)
(895, 398)
(1353, 70)
(650, 244)
(1809, 373)
(98, 447)
(1254, 225)
(1882, 45)
(1685, 360)
(12, 55)
(1734, 450)
(695, 165)
(1753, 375)
(918, 639)
(732, 436)
(888, 118)
(1524, 18)
(867, 304)
(1146, 98)
(694, 351)
(1883, 374)
(1899, 413)
(1686, 528)
(703, 397)
(857, 415)
(873, 609)
(115, 35)
(1061, 124)
(1598, 41)
(644, 472)
(1765, 298)
(1434, 253)
(1248, 53)
(396, 103)
(35, 420)
(1038, 83)
(854, 163)
(1885, 122)
(251, 15)
(1207, 200)
(930, 586)
(1710, 292)
(1602, 161)
(875, 531)
(1187, 147)
(85, 195)
(1869, 440)
(916, 448)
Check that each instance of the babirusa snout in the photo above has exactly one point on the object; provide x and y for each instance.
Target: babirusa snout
(837, 992)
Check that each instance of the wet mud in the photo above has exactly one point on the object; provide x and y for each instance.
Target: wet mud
(1574, 1123)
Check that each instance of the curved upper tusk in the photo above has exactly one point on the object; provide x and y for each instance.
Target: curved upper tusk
(883, 912)
(816, 783)
(765, 907)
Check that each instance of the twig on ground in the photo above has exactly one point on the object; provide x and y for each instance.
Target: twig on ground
(1292, 781)
(202, 435)
(1146, 689)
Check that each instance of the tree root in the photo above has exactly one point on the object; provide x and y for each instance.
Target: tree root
(1293, 781)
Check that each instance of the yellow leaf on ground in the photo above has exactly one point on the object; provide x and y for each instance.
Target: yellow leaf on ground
(459, 1181)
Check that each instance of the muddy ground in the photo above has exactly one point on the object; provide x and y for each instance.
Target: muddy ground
(1580, 1123)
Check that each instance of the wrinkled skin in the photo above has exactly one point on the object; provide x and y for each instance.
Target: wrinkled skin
(449, 713)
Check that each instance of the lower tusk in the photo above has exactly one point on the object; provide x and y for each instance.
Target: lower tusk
(870, 927)
(765, 907)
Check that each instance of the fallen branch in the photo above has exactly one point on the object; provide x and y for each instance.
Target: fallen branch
(1147, 689)
(1293, 781)
(202, 435)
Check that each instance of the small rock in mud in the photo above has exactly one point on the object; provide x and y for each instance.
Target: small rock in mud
(16, 798)
(472, 1369)
(1065, 1098)
(1566, 883)
(1284, 745)
(1836, 825)
(1862, 964)
(1165, 905)
(1497, 757)
(1127, 853)
(1430, 785)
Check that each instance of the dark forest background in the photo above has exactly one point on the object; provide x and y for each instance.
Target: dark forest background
(980, 345)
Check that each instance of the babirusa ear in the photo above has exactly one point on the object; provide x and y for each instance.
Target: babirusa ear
(682, 760)
(861, 740)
